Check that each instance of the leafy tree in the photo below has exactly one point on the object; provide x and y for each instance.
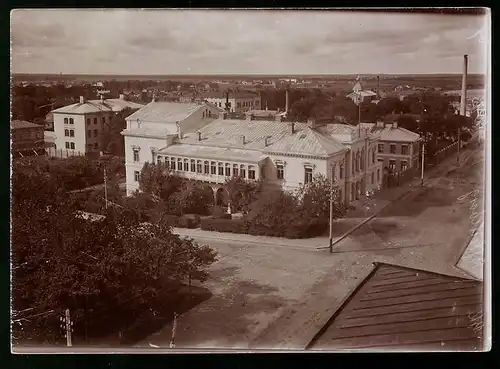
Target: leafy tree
(408, 122)
(274, 210)
(191, 198)
(242, 192)
(111, 139)
(157, 180)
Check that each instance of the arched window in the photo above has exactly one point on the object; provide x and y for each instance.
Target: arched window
(243, 173)
(172, 163)
(66, 132)
(373, 156)
(235, 170)
(228, 170)
(221, 169)
(179, 164)
(206, 168)
(251, 172)
(71, 121)
(341, 171)
(193, 165)
(159, 160)
(213, 168)
(186, 165)
(65, 120)
(362, 159)
(198, 166)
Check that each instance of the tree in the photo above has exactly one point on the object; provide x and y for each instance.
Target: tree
(95, 268)
(157, 180)
(191, 198)
(111, 139)
(242, 192)
(390, 105)
(274, 210)
(408, 122)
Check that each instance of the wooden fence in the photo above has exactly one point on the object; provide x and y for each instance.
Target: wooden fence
(63, 153)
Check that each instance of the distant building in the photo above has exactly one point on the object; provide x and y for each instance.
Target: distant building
(77, 126)
(239, 101)
(398, 148)
(359, 95)
(27, 138)
(265, 115)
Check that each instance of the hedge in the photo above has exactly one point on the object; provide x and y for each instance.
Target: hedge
(181, 222)
(301, 229)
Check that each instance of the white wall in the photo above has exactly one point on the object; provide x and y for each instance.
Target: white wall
(78, 127)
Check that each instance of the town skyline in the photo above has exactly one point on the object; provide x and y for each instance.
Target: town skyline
(98, 42)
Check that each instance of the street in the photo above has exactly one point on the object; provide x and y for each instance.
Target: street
(268, 296)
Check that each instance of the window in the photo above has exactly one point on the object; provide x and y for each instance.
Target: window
(228, 170)
(381, 148)
(65, 120)
(179, 164)
(280, 171)
(206, 167)
(96, 146)
(203, 115)
(251, 172)
(213, 168)
(103, 120)
(362, 163)
(71, 133)
(220, 105)
(238, 104)
(71, 121)
(235, 170)
(353, 164)
(373, 177)
(136, 175)
(66, 132)
(172, 163)
(378, 175)
(88, 121)
(373, 156)
(67, 145)
(221, 169)
(136, 155)
(193, 165)
(95, 120)
(158, 160)
(243, 171)
(95, 132)
(308, 175)
(392, 165)
(89, 133)
(404, 165)
(393, 148)
(72, 145)
(198, 166)
(341, 171)
(404, 149)
(186, 165)
(334, 169)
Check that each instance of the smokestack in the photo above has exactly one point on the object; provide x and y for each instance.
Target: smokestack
(82, 99)
(463, 104)
(378, 87)
(243, 142)
(266, 143)
(199, 136)
(287, 102)
(292, 127)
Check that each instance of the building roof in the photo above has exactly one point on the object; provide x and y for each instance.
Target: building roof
(391, 133)
(264, 113)
(407, 309)
(165, 111)
(472, 260)
(216, 153)
(95, 106)
(232, 94)
(227, 133)
(362, 93)
(20, 124)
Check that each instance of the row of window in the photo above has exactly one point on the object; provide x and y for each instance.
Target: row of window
(392, 165)
(70, 145)
(89, 133)
(392, 149)
(69, 132)
(69, 121)
(206, 167)
(94, 146)
(103, 120)
(207, 113)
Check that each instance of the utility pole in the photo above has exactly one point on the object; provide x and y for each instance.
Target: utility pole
(331, 219)
(174, 328)
(105, 189)
(67, 326)
(423, 164)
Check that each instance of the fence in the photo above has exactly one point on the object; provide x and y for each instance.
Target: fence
(396, 179)
(63, 153)
(443, 153)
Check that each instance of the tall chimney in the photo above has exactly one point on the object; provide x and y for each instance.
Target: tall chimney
(292, 127)
(199, 136)
(378, 87)
(243, 141)
(287, 102)
(82, 99)
(463, 103)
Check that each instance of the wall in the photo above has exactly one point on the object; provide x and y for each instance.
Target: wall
(386, 156)
(78, 127)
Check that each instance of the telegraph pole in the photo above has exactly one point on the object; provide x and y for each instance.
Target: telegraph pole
(105, 188)
(331, 219)
(67, 325)
(174, 328)
(423, 164)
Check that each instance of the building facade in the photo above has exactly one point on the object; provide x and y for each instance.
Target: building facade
(77, 127)
(27, 138)
(239, 101)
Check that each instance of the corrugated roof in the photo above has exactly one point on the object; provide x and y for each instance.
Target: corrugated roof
(19, 124)
(407, 309)
(164, 111)
(216, 153)
(95, 106)
(390, 133)
(472, 260)
(228, 134)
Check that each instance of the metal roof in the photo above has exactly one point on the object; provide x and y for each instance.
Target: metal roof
(472, 260)
(391, 133)
(407, 309)
(213, 153)
(95, 106)
(165, 112)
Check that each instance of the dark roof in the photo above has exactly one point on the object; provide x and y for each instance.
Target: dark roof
(407, 309)
(18, 124)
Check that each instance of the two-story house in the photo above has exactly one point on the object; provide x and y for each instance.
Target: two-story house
(398, 148)
(157, 125)
(77, 127)
(27, 138)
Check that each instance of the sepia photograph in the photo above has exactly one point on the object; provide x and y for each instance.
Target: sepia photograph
(250, 180)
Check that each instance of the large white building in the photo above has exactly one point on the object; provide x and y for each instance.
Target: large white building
(198, 146)
(77, 126)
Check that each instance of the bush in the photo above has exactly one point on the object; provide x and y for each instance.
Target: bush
(224, 225)
(181, 221)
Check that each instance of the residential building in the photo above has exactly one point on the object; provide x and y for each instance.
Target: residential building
(77, 126)
(239, 101)
(282, 154)
(27, 138)
(398, 149)
(157, 125)
(257, 114)
(360, 95)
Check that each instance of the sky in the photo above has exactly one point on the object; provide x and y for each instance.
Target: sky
(244, 42)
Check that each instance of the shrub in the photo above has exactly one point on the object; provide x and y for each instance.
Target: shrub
(224, 225)
(187, 222)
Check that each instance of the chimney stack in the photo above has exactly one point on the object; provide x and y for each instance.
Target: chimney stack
(311, 122)
(122, 97)
(395, 124)
(266, 142)
(292, 128)
(243, 142)
(199, 136)
(463, 101)
(82, 99)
